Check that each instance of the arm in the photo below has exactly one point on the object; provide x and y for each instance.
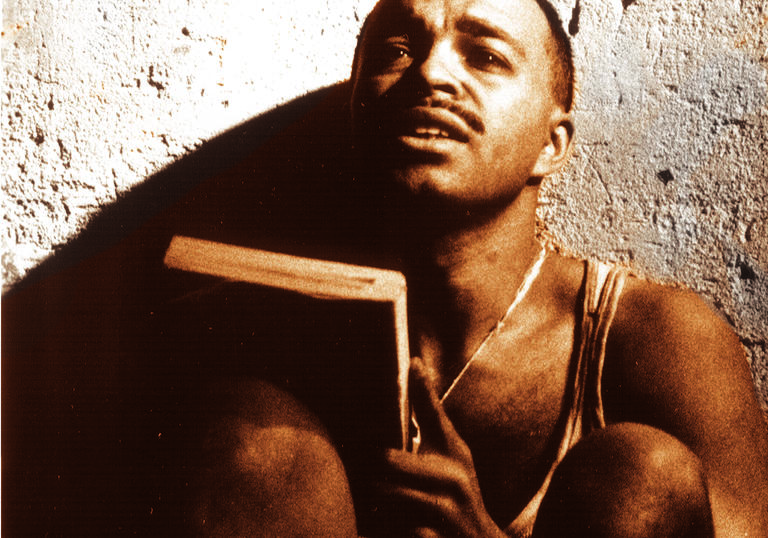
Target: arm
(672, 364)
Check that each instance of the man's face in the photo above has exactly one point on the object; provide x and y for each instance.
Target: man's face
(452, 98)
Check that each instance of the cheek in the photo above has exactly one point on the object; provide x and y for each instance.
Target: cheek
(366, 99)
(522, 132)
(517, 145)
(380, 84)
(365, 94)
(513, 158)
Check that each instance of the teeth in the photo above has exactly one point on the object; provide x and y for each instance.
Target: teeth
(431, 132)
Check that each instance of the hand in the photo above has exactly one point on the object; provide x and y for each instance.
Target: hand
(434, 492)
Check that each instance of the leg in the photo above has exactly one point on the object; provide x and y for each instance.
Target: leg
(268, 469)
(628, 480)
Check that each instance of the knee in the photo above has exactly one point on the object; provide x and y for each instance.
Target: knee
(268, 468)
(627, 480)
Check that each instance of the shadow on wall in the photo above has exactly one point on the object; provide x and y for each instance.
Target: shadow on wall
(104, 379)
(310, 121)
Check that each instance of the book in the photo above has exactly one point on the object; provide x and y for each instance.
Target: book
(319, 282)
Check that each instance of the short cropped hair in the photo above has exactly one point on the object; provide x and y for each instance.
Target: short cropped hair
(558, 49)
(561, 58)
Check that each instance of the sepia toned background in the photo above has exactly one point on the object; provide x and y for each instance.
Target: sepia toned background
(669, 174)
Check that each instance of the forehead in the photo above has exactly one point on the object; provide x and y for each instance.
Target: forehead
(521, 20)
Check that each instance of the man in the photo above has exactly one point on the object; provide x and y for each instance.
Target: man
(552, 396)
(459, 109)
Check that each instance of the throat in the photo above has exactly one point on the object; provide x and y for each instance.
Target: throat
(525, 285)
(450, 339)
(464, 282)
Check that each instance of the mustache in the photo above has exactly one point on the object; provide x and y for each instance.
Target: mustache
(470, 117)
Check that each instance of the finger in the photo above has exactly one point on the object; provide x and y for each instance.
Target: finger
(435, 426)
(431, 472)
(409, 508)
(424, 532)
(396, 509)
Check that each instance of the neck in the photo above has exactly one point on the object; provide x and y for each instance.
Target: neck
(462, 281)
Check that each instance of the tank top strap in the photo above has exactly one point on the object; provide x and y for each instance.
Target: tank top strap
(603, 287)
(603, 284)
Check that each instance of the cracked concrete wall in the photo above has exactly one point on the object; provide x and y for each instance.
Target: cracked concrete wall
(669, 174)
(98, 94)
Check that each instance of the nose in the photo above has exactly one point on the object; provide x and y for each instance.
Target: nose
(440, 70)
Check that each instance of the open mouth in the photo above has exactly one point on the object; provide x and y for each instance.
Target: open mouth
(430, 133)
(429, 124)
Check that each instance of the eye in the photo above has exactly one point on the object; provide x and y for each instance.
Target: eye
(393, 53)
(487, 59)
(397, 51)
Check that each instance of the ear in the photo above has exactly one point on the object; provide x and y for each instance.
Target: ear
(557, 149)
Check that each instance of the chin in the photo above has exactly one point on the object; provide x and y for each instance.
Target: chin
(424, 181)
(434, 193)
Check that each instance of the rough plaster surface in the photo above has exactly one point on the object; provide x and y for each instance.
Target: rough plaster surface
(670, 172)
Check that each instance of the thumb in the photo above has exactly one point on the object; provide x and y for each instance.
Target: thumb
(434, 425)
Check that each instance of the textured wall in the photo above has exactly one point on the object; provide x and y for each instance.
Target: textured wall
(100, 93)
(670, 172)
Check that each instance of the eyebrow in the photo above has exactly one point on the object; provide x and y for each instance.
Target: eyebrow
(483, 28)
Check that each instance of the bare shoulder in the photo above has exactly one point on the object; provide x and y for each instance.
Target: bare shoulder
(672, 363)
(667, 318)
(664, 329)
(667, 347)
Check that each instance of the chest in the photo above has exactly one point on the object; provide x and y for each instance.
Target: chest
(509, 405)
